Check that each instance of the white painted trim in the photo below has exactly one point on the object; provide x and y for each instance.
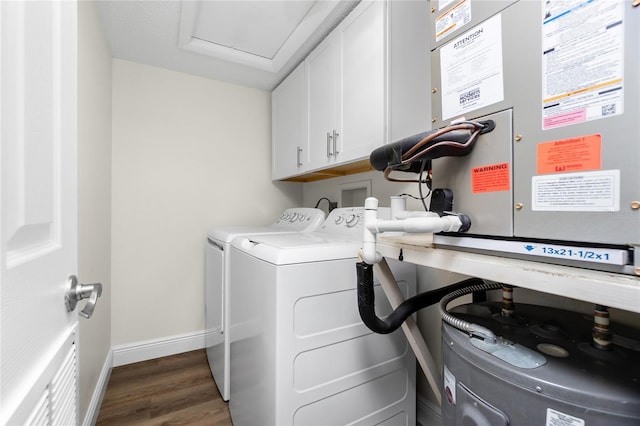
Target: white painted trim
(91, 416)
(428, 413)
(156, 348)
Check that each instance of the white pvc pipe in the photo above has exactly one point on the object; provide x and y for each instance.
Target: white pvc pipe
(428, 224)
(398, 206)
(369, 253)
(412, 222)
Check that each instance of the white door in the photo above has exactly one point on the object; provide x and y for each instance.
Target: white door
(38, 236)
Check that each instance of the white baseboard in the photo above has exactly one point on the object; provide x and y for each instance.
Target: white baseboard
(91, 417)
(428, 413)
(156, 348)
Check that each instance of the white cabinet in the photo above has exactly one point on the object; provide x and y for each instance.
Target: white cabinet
(323, 86)
(346, 89)
(363, 106)
(365, 84)
(289, 126)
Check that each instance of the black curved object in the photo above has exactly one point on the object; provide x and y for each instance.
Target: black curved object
(366, 301)
(390, 155)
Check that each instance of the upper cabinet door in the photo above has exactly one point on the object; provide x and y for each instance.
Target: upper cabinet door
(289, 126)
(346, 97)
(323, 72)
(363, 81)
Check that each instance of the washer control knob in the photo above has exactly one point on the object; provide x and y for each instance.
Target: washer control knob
(339, 220)
(293, 217)
(352, 220)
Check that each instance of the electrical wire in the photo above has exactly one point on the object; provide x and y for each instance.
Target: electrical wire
(466, 326)
(423, 166)
(323, 198)
(404, 194)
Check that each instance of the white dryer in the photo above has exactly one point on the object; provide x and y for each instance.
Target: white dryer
(300, 354)
(217, 282)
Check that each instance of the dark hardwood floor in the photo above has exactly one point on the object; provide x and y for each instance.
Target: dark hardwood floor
(175, 390)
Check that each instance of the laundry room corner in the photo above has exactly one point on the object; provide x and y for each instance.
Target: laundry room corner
(329, 212)
(189, 154)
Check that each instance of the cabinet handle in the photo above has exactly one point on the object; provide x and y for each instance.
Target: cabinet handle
(335, 142)
(329, 137)
(298, 156)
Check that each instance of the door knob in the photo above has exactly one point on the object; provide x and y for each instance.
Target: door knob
(76, 292)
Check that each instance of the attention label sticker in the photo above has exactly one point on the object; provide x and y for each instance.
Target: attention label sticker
(491, 178)
(570, 155)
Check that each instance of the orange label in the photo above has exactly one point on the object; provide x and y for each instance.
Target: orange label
(570, 155)
(491, 178)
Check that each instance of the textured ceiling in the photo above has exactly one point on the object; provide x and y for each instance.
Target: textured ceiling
(149, 32)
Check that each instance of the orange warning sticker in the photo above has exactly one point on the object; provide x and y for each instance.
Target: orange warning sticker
(491, 178)
(570, 155)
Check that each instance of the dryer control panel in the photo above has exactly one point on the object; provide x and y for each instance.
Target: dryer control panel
(300, 219)
(349, 221)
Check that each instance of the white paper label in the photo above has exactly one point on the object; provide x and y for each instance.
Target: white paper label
(453, 19)
(449, 386)
(597, 191)
(582, 61)
(471, 69)
(556, 418)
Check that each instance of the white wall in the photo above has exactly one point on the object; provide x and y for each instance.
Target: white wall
(94, 197)
(189, 154)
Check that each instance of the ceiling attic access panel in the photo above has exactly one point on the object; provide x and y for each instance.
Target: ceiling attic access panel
(260, 34)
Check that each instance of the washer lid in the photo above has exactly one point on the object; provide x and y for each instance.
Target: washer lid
(285, 249)
(297, 219)
(227, 234)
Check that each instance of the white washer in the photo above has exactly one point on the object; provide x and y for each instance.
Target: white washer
(300, 353)
(217, 282)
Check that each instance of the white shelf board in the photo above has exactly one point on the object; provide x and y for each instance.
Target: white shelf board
(605, 288)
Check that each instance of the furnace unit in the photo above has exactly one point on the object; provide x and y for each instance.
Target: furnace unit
(557, 180)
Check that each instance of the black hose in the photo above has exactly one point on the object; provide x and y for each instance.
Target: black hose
(366, 301)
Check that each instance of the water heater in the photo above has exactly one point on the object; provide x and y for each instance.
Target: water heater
(545, 370)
